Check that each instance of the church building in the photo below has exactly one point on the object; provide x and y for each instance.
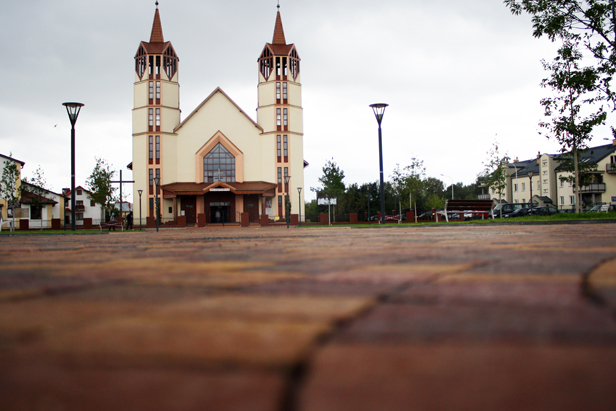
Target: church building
(217, 163)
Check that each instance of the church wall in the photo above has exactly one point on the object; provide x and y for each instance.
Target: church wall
(268, 159)
(140, 120)
(141, 94)
(170, 118)
(267, 93)
(296, 164)
(168, 146)
(171, 94)
(295, 94)
(267, 117)
(219, 114)
(296, 118)
(140, 151)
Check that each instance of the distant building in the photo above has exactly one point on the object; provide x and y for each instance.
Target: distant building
(6, 209)
(543, 176)
(84, 207)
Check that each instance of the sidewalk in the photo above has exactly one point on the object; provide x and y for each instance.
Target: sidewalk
(460, 318)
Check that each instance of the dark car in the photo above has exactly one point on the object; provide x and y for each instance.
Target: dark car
(520, 212)
(546, 210)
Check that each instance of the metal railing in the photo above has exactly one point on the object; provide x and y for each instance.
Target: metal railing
(592, 188)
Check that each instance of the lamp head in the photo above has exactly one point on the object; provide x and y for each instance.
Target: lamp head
(73, 111)
(286, 179)
(379, 111)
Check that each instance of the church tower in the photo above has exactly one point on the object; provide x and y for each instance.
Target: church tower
(156, 111)
(280, 115)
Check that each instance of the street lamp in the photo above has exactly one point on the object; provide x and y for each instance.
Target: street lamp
(140, 192)
(443, 175)
(299, 194)
(286, 199)
(379, 111)
(530, 178)
(73, 112)
(156, 184)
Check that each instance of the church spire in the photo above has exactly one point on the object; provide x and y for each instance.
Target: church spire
(157, 28)
(278, 30)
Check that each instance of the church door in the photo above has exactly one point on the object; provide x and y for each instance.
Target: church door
(251, 206)
(189, 204)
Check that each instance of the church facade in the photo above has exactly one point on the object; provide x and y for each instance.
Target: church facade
(217, 163)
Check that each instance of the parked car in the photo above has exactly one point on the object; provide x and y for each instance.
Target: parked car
(520, 212)
(546, 210)
(508, 208)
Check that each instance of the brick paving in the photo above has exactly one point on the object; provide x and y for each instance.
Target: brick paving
(496, 317)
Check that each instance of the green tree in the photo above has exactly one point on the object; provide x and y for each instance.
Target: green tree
(9, 186)
(495, 171)
(37, 187)
(573, 87)
(332, 177)
(591, 22)
(99, 186)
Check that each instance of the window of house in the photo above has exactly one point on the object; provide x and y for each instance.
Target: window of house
(79, 192)
(151, 177)
(515, 188)
(279, 204)
(151, 203)
(158, 175)
(545, 181)
(562, 200)
(284, 91)
(571, 200)
(158, 117)
(278, 119)
(286, 117)
(545, 190)
(151, 90)
(613, 159)
(545, 163)
(279, 175)
(286, 174)
(278, 146)
(158, 147)
(219, 165)
(277, 91)
(79, 203)
(36, 213)
(286, 146)
(545, 172)
(570, 183)
(158, 90)
(562, 183)
(523, 186)
(150, 117)
(92, 203)
(78, 216)
(151, 148)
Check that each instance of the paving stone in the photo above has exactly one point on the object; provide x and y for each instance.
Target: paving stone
(458, 377)
(44, 386)
(602, 282)
(439, 322)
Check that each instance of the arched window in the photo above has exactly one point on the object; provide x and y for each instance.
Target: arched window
(219, 165)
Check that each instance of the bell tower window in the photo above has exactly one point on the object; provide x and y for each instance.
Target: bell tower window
(219, 165)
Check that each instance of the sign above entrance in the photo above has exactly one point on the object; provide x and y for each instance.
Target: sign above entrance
(220, 189)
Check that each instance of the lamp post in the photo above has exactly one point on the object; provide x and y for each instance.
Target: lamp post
(286, 199)
(299, 195)
(443, 175)
(73, 112)
(379, 111)
(530, 178)
(156, 184)
(140, 192)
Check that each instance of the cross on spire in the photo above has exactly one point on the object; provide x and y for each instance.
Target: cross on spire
(156, 3)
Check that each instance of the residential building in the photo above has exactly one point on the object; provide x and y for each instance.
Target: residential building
(6, 209)
(40, 206)
(543, 179)
(84, 207)
(218, 162)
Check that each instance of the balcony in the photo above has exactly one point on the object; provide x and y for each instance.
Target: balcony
(80, 208)
(592, 188)
(610, 168)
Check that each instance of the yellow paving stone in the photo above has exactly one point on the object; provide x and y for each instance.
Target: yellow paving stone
(288, 308)
(398, 272)
(16, 294)
(187, 342)
(222, 281)
(604, 276)
(509, 278)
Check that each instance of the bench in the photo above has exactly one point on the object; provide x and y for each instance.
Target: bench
(481, 207)
(111, 224)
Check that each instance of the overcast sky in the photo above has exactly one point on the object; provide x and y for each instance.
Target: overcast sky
(457, 75)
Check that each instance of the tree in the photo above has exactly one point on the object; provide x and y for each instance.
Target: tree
(37, 187)
(333, 186)
(592, 22)
(495, 171)
(573, 88)
(9, 185)
(99, 185)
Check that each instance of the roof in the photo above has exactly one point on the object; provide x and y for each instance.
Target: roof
(28, 198)
(279, 31)
(157, 29)
(592, 155)
(218, 90)
(13, 159)
(247, 187)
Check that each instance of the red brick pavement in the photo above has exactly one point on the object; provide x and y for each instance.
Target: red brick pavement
(414, 318)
